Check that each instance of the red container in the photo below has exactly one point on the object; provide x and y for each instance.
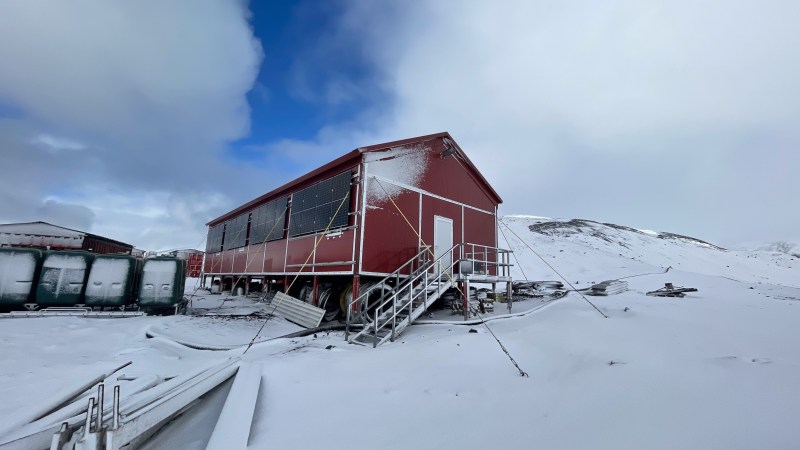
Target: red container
(398, 194)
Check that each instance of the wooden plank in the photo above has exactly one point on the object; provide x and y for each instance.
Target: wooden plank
(232, 430)
(143, 420)
(298, 311)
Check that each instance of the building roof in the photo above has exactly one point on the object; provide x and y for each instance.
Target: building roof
(48, 229)
(347, 160)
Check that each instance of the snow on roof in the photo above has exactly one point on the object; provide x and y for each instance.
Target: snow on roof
(348, 158)
(43, 234)
(40, 229)
(406, 164)
(525, 216)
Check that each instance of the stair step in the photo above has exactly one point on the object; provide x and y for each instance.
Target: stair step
(369, 338)
(407, 310)
(365, 339)
(430, 288)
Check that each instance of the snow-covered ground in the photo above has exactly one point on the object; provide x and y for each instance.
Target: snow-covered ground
(718, 369)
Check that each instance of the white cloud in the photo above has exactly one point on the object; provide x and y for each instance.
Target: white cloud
(55, 143)
(672, 115)
(133, 69)
(163, 219)
(150, 92)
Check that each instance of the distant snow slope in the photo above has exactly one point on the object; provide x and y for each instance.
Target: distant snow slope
(585, 251)
(715, 370)
(781, 247)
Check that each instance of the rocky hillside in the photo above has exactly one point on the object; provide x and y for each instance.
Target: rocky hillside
(585, 251)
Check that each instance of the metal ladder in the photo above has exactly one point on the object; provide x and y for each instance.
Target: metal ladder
(400, 306)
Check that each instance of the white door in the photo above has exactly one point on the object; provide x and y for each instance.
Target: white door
(442, 241)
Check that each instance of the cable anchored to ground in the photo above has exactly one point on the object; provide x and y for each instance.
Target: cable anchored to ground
(553, 269)
(512, 253)
(314, 249)
(522, 373)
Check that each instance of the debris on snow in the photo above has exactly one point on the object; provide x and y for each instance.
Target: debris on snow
(610, 287)
(669, 290)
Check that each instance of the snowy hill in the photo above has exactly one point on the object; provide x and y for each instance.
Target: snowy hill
(590, 251)
(717, 369)
(781, 247)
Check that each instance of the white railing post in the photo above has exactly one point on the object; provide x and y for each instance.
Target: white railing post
(115, 409)
(100, 404)
(394, 317)
(425, 291)
(375, 329)
(88, 424)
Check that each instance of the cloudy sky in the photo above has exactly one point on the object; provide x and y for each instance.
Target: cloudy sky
(143, 120)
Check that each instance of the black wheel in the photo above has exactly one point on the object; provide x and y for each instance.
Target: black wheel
(328, 301)
(306, 293)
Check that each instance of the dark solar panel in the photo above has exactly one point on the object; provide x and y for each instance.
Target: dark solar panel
(314, 206)
(236, 232)
(276, 219)
(268, 221)
(214, 240)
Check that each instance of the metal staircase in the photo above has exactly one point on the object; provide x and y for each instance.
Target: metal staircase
(404, 295)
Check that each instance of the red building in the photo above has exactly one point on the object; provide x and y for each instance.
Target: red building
(193, 258)
(361, 217)
(48, 236)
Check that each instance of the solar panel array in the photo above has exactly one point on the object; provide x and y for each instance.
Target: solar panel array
(236, 232)
(268, 222)
(214, 240)
(312, 211)
(314, 206)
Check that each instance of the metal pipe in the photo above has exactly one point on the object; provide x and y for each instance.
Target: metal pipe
(510, 294)
(347, 320)
(333, 263)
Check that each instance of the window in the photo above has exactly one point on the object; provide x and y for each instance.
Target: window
(214, 241)
(268, 222)
(236, 232)
(315, 206)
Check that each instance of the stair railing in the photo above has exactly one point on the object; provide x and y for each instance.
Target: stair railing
(414, 265)
(402, 296)
(383, 317)
(489, 259)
